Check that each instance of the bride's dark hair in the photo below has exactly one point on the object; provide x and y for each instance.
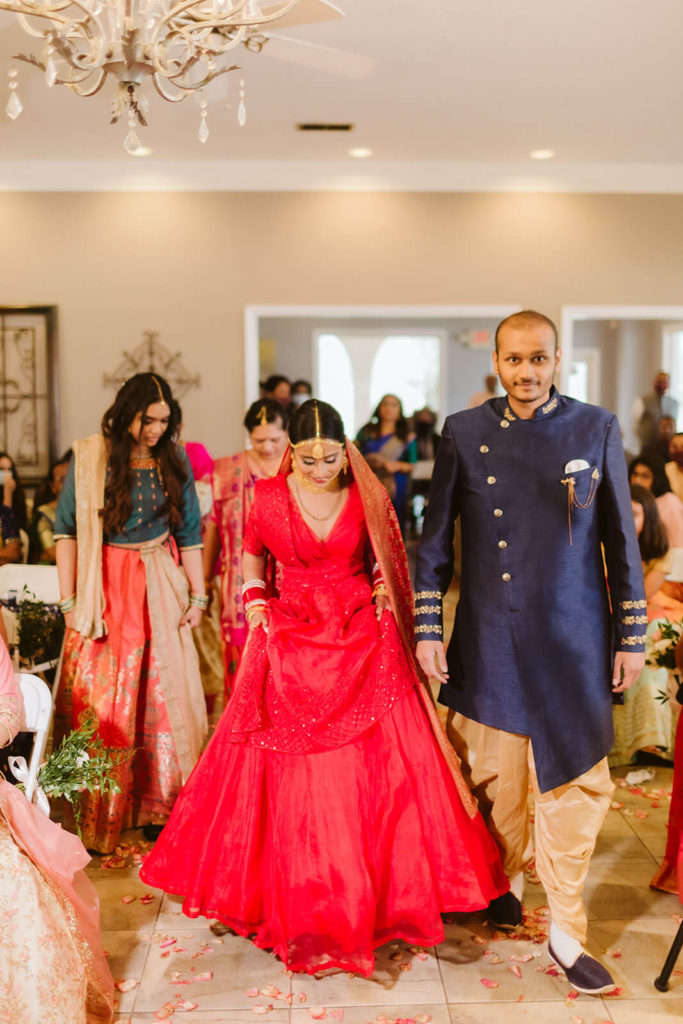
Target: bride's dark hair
(134, 397)
(313, 418)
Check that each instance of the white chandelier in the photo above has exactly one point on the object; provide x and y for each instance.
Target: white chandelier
(179, 46)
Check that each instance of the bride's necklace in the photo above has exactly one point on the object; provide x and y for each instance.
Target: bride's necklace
(319, 519)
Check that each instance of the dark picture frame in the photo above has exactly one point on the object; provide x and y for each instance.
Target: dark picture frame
(29, 395)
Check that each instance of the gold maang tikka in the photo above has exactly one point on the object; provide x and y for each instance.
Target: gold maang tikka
(317, 452)
(162, 400)
(263, 416)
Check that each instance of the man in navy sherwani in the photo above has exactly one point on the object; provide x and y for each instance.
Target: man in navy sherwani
(550, 622)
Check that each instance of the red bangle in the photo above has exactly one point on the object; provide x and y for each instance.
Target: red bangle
(253, 594)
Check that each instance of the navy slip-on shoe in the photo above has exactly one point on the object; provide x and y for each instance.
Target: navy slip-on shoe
(586, 974)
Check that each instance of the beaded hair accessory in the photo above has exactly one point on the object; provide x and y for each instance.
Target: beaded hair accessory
(162, 400)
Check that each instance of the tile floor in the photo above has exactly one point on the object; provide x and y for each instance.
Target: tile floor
(469, 979)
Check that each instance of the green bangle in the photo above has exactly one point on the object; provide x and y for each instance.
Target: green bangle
(199, 601)
(67, 605)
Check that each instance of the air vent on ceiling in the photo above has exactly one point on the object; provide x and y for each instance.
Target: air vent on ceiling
(324, 127)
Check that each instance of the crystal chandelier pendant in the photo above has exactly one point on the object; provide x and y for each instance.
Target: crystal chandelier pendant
(14, 107)
(203, 126)
(50, 69)
(242, 109)
(131, 143)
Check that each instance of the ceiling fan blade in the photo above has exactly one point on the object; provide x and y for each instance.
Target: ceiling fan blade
(306, 12)
(320, 58)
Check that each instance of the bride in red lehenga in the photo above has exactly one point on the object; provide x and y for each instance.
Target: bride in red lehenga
(328, 815)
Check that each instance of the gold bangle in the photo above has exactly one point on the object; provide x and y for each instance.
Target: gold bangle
(380, 591)
(253, 610)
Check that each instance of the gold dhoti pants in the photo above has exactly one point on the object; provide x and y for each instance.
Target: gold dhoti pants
(499, 766)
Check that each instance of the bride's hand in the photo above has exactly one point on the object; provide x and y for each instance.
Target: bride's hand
(382, 603)
(258, 619)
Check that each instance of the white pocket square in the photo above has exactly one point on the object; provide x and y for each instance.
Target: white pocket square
(575, 465)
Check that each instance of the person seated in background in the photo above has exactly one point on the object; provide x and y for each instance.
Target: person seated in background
(302, 390)
(13, 497)
(674, 467)
(278, 388)
(649, 471)
(654, 552)
(644, 724)
(10, 541)
(41, 531)
(52, 966)
(390, 451)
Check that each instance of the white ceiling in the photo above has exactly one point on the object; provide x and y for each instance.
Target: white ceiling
(453, 94)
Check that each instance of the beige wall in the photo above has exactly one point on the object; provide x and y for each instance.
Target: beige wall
(186, 265)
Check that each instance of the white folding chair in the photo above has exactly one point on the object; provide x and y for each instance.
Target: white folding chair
(37, 700)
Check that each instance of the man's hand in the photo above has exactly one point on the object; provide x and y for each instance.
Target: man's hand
(431, 654)
(627, 667)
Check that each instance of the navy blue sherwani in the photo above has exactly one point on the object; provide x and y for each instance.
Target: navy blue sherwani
(537, 625)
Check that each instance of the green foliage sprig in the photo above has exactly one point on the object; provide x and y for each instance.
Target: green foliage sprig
(81, 762)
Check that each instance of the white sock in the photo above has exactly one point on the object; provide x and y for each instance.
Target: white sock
(566, 948)
(517, 885)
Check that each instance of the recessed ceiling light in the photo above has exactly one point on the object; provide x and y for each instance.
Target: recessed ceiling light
(542, 154)
(360, 152)
(142, 151)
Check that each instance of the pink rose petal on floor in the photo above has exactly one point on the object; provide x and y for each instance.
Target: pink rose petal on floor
(521, 959)
(260, 1008)
(571, 996)
(616, 805)
(338, 1014)
(164, 1012)
(487, 983)
(127, 985)
(517, 971)
(302, 997)
(206, 976)
(187, 1005)
(642, 815)
(405, 966)
(166, 943)
(617, 954)
(577, 1020)
(271, 990)
(616, 992)
(167, 952)
(423, 1018)
(128, 899)
(317, 1012)
(147, 898)
(251, 993)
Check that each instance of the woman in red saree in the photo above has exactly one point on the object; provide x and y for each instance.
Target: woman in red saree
(328, 815)
(233, 482)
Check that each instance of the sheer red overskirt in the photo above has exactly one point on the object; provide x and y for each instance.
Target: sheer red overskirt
(322, 819)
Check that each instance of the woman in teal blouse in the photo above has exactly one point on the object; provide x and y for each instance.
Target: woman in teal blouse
(127, 515)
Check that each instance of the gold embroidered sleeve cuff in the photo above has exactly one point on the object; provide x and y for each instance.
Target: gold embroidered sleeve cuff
(634, 641)
(192, 547)
(64, 536)
(435, 630)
